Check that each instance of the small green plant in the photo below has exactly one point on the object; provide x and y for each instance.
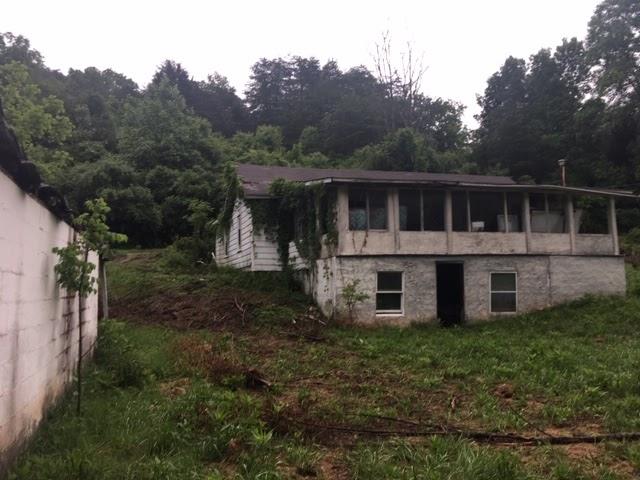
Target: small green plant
(74, 270)
(352, 296)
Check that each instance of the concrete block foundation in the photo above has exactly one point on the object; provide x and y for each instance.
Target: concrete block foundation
(542, 281)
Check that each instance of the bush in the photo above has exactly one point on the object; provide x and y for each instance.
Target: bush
(630, 244)
(117, 356)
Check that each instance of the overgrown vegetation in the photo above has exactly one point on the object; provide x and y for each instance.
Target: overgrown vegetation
(174, 393)
(298, 213)
(74, 270)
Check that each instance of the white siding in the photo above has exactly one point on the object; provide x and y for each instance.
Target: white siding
(239, 252)
(296, 261)
(254, 251)
(265, 253)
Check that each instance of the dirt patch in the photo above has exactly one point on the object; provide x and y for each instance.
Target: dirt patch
(193, 310)
(195, 355)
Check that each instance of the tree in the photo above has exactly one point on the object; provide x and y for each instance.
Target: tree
(74, 270)
(159, 129)
(613, 49)
(40, 121)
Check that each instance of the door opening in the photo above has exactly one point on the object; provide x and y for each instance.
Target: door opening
(450, 292)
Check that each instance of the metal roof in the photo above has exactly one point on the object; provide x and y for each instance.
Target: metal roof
(256, 180)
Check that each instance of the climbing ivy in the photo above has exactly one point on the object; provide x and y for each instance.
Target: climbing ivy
(233, 191)
(293, 213)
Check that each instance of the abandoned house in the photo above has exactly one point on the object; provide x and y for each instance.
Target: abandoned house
(425, 246)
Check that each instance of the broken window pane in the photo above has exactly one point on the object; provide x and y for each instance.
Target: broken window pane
(377, 209)
(357, 209)
(409, 203)
(433, 210)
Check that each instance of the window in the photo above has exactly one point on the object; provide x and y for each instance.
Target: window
(433, 210)
(421, 210)
(504, 296)
(367, 209)
(547, 213)
(459, 211)
(486, 207)
(389, 293)
(410, 210)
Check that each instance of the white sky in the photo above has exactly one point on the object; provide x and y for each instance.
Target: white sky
(463, 41)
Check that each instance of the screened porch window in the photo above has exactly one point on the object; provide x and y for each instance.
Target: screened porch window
(367, 209)
(421, 210)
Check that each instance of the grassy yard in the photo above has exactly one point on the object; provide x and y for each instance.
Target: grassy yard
(175, 391)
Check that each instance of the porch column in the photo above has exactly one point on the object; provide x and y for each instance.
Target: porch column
(505, 212)
(468, 211)
(342, 215)
(393, 206)
(448, 219)
(570, 223)
(526, 220)
(613, 226)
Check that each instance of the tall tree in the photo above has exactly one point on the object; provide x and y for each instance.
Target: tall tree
(613, 46)
(39, 120)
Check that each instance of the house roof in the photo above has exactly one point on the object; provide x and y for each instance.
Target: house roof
(256, 180)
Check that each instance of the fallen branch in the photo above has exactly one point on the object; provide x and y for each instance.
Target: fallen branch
(479, 436)
(241, 308)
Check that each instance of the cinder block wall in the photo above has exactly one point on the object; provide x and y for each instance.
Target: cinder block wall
(38, 321)
(543, 281)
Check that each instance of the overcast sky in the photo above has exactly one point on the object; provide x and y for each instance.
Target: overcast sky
(464, 41)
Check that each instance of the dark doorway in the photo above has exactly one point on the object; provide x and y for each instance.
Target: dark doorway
(450, 292)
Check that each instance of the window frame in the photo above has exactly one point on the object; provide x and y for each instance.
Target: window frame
(390, 313)
(491, 291)
(367, 192)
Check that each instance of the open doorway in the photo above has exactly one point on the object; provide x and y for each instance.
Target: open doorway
(450, 292)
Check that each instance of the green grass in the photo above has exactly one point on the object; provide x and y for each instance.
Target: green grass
(159, 404)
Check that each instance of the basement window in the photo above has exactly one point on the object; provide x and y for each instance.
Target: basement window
(504, 293)
(389, 293)
(367, 209)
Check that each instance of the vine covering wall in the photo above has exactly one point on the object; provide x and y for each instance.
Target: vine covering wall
(299, 213)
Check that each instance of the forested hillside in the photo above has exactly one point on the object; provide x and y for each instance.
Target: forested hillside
(156, 152)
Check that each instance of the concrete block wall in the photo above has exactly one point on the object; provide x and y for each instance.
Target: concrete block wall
(38, 321)
(543, 281)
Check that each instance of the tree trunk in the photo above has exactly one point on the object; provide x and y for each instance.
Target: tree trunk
(80, 325)
(104, 294)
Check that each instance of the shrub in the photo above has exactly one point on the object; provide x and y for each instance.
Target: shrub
(118, 357)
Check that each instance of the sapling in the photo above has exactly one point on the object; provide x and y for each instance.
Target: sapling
(352, 295)
(74, 270)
